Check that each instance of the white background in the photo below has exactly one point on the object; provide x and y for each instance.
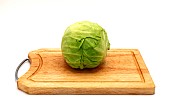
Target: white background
(27, 25)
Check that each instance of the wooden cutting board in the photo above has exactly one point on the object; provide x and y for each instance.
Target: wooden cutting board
(122, 72)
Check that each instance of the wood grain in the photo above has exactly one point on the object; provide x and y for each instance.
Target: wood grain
(122, 72)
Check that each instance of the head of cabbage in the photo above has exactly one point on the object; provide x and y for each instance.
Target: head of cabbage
(84, 45)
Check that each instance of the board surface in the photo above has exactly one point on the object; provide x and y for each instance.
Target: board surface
(122, 72)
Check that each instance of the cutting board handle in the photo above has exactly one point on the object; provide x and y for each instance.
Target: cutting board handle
(16, 72)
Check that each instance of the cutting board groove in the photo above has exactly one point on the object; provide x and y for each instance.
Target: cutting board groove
(123, 71)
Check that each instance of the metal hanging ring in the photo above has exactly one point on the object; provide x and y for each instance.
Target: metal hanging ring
(16, 72)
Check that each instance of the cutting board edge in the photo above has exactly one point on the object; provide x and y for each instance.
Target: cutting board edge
(124, 88)
(25, 87)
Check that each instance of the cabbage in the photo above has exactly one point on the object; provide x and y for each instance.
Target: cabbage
(84, 45)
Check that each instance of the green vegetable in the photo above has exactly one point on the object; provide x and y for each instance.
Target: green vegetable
(84, 45)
